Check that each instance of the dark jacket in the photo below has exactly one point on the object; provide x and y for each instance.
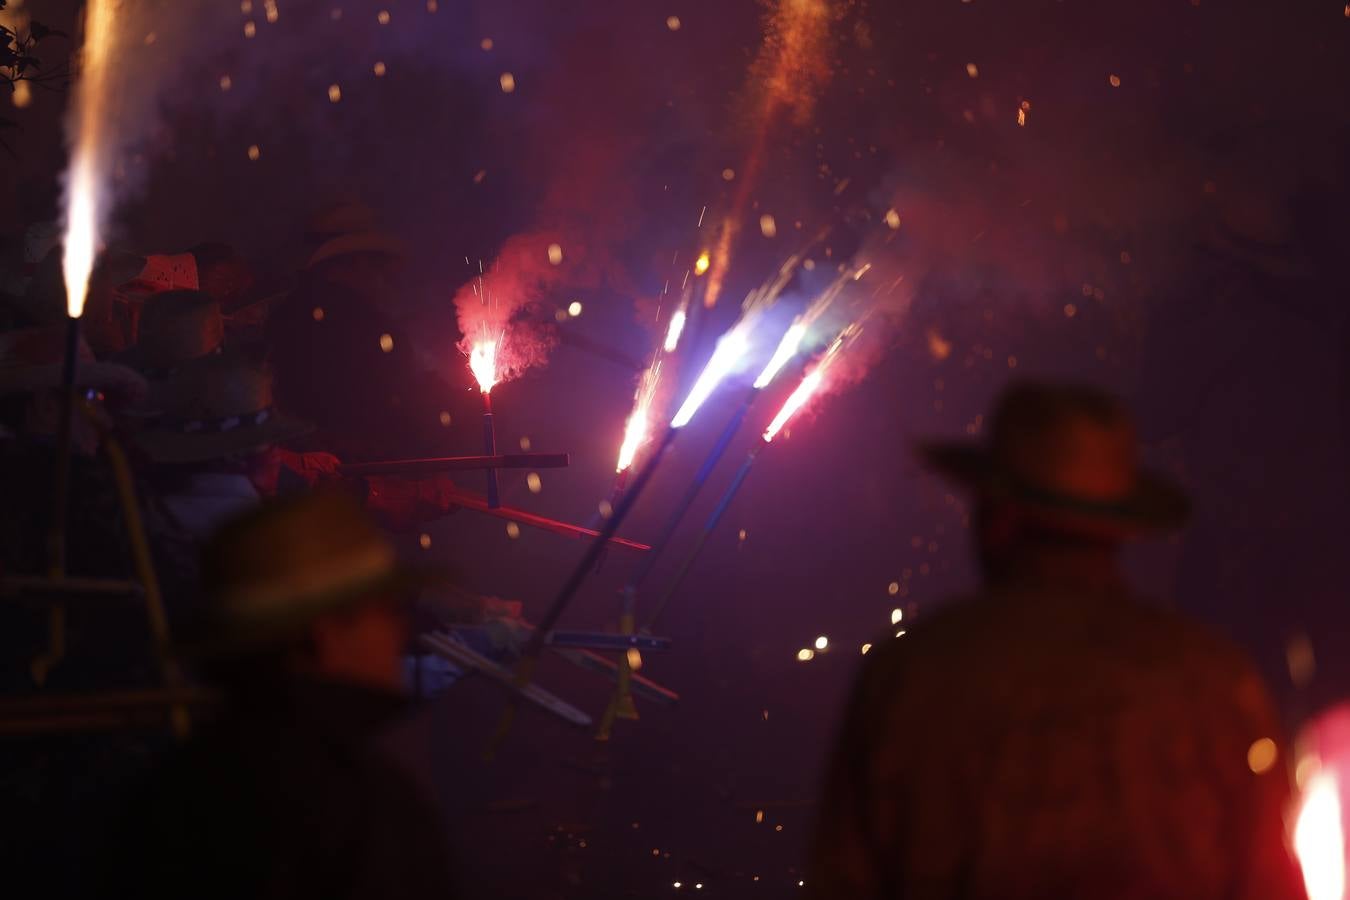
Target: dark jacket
(1052, 742)
(285, 797)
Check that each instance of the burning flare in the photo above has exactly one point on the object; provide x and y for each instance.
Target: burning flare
(91, 156)
(795, 401)
(483, 363)
(787, 348)
(702, 263)
(1319, 839)
(729, 351)
(637, 430)
(676, 327)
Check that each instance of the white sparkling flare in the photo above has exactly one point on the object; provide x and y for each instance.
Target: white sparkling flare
(91, 156)
(787, 348)
(729, 350)
(675, 329)
(483, 363)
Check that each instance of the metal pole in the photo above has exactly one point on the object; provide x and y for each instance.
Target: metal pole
(708, 528)
(528, 660)
(56, 532)
(490, 448)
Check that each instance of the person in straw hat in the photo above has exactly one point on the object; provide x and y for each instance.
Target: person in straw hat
(285, 795)
(1054, 735)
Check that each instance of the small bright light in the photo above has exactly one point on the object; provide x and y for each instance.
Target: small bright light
(634, 658)
(698, 886)
(512, 530)
(673, 23)
(892, 219)
(432, 6)
(486, 44)
(893, 588)
(896, 614)
(382, 17)
(728, 174)
(334, 93)
(806, 654)
(900, 633)
(250, 29)
(1319, 839)
(759, 816)
(865, 648)
(386, 342)
(678, 885)
(1115, 80)
(1261, 755)
(225, 83)
(445, 418)
(508, 82)
(379, 69)
(555, 254)
(822, 642)
(534, 483)
(972, 70)
(574, 308)
(317, 313)
(702, 263)
(254, 152)
(606, 509)
(767, 226)
(525, 443)
(425, 541)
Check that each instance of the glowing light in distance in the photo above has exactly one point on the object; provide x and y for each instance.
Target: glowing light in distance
(806, 654)
(787, 348)
(86, 188)
(483, 364)
(574, 308)
(865, 648)
(702, 263)
(1319, 840)
(896, 615)
(675, 329)
(729, 350)
(795, 401)
(822, 642)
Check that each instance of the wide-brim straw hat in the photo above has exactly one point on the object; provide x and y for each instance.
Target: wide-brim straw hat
(215, 407)
(1068, 456)
(273, 570)
(33, 359)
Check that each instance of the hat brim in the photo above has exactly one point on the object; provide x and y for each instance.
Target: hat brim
(358, 242)
(1156, 503)
(122, 384)
(214, 638)
(168, 446)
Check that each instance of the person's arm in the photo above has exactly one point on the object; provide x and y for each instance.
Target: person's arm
(844, 861)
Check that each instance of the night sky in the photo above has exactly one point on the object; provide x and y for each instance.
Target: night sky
(1151, 196)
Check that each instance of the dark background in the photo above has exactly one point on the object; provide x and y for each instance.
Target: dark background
(1178, 237)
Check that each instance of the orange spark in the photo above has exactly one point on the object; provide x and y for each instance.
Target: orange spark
(483, 363)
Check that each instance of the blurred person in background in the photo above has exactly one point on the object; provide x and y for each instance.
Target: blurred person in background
(1054, 735)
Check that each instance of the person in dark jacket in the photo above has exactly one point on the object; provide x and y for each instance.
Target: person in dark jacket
(284, 795)
(1054, 735)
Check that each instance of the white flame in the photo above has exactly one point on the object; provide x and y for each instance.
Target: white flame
(787, 348)
(635, 431)
(676, 328)
(1319, 839)
(483, 363)
(795, 401)
(729, 350)
(91, 157)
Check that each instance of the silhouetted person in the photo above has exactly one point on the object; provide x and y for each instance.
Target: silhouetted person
(284, 796)
(1053, 736)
